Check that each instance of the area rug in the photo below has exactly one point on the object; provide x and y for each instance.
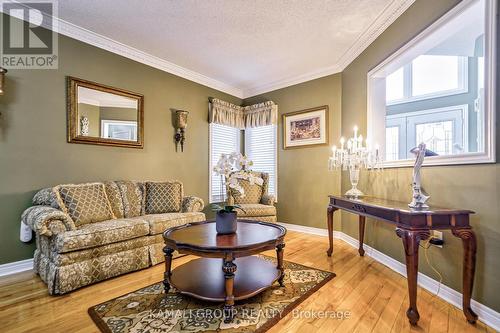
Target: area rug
(149, 310)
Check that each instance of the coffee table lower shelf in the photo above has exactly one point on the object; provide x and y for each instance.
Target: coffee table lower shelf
(203, 278)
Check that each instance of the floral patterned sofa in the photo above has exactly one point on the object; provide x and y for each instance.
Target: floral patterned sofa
(90, 232)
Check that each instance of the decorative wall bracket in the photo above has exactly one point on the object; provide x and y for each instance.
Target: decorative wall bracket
(180, 125)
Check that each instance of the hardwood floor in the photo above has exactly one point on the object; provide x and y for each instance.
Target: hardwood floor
(375, 296)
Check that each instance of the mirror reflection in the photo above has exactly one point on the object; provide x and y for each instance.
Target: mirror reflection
(107, 115)
(103, 115)
(437, 95)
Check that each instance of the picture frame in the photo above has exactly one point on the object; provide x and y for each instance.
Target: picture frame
(305, 128)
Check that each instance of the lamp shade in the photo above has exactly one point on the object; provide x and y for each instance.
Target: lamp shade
(2, 80)
(181, 118)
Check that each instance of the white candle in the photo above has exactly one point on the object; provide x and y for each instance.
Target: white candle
(355, 131)
(342, 140)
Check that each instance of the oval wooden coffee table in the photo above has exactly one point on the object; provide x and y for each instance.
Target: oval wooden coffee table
(239, 275)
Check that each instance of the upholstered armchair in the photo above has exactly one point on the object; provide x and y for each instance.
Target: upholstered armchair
(257, 202)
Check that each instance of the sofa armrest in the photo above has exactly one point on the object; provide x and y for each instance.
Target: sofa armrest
(192, 204)
(268, 199)
(46, 220)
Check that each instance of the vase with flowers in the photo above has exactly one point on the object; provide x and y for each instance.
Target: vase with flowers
(232, 168)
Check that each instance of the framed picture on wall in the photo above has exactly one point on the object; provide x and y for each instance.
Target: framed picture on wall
(305, 128)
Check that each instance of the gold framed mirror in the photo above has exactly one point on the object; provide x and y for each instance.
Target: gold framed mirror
(103, 115)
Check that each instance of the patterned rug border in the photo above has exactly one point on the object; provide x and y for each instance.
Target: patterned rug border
(270, 323)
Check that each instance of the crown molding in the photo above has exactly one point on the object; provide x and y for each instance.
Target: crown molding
(108, 44)
(89, 37)
(382, 22)
(385, 19)
(271, 86)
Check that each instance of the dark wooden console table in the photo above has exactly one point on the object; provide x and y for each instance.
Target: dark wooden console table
(412, 226)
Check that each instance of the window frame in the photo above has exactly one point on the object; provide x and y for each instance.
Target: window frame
(275, 135)
(376, 88)
(211, 199)
(463, 74)
(105, 123)
(403, 120)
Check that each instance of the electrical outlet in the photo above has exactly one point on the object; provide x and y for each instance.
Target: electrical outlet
(437, 235)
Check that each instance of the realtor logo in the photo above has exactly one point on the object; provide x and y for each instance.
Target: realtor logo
(28, 40)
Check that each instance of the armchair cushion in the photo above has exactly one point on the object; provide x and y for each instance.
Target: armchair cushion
(46, 220)
(163, 197)
(268, 199)
(100, 233)
(158, 223)
(252, 210)
(252, 192)
(134, 195)
(84, 203)
(192, 204)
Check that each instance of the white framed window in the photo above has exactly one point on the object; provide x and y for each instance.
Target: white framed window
(223, 140)
(427, 76)
(261, 146)
(119, 129)
(417, 93)
(443, 130)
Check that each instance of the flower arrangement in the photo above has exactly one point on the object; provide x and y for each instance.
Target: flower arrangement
(232, 168)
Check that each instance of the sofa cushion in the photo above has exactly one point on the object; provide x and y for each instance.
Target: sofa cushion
(134, 196)
(84, 203)
(256, 210)
(115, 198)
(163, 197)
(68, 258)
(158, 223)
(100, 233)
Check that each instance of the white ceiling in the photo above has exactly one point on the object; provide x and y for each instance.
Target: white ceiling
(243, 47)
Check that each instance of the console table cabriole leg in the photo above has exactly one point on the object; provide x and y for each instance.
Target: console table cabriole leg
(411, 240)
(361, 251)
(330, 212)
(168, 267)
(229, 268)
(279, 254)
(469, 243)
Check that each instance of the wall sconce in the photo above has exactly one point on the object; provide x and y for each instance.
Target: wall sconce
(3, 71)
(180, 124)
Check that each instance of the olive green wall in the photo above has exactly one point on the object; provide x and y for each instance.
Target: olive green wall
(304, 181)
(33, 148)
(474, 187)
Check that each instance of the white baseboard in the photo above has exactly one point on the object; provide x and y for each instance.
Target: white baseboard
(487, 315)
(16, 267)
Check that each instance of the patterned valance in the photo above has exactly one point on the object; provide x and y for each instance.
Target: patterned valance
(225, 113)
(261, 114)
(256, 115)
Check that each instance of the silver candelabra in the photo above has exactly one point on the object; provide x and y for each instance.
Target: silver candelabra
(352, 156)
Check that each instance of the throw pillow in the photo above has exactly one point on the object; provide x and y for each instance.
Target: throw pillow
(163, 197)
(84, 203)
